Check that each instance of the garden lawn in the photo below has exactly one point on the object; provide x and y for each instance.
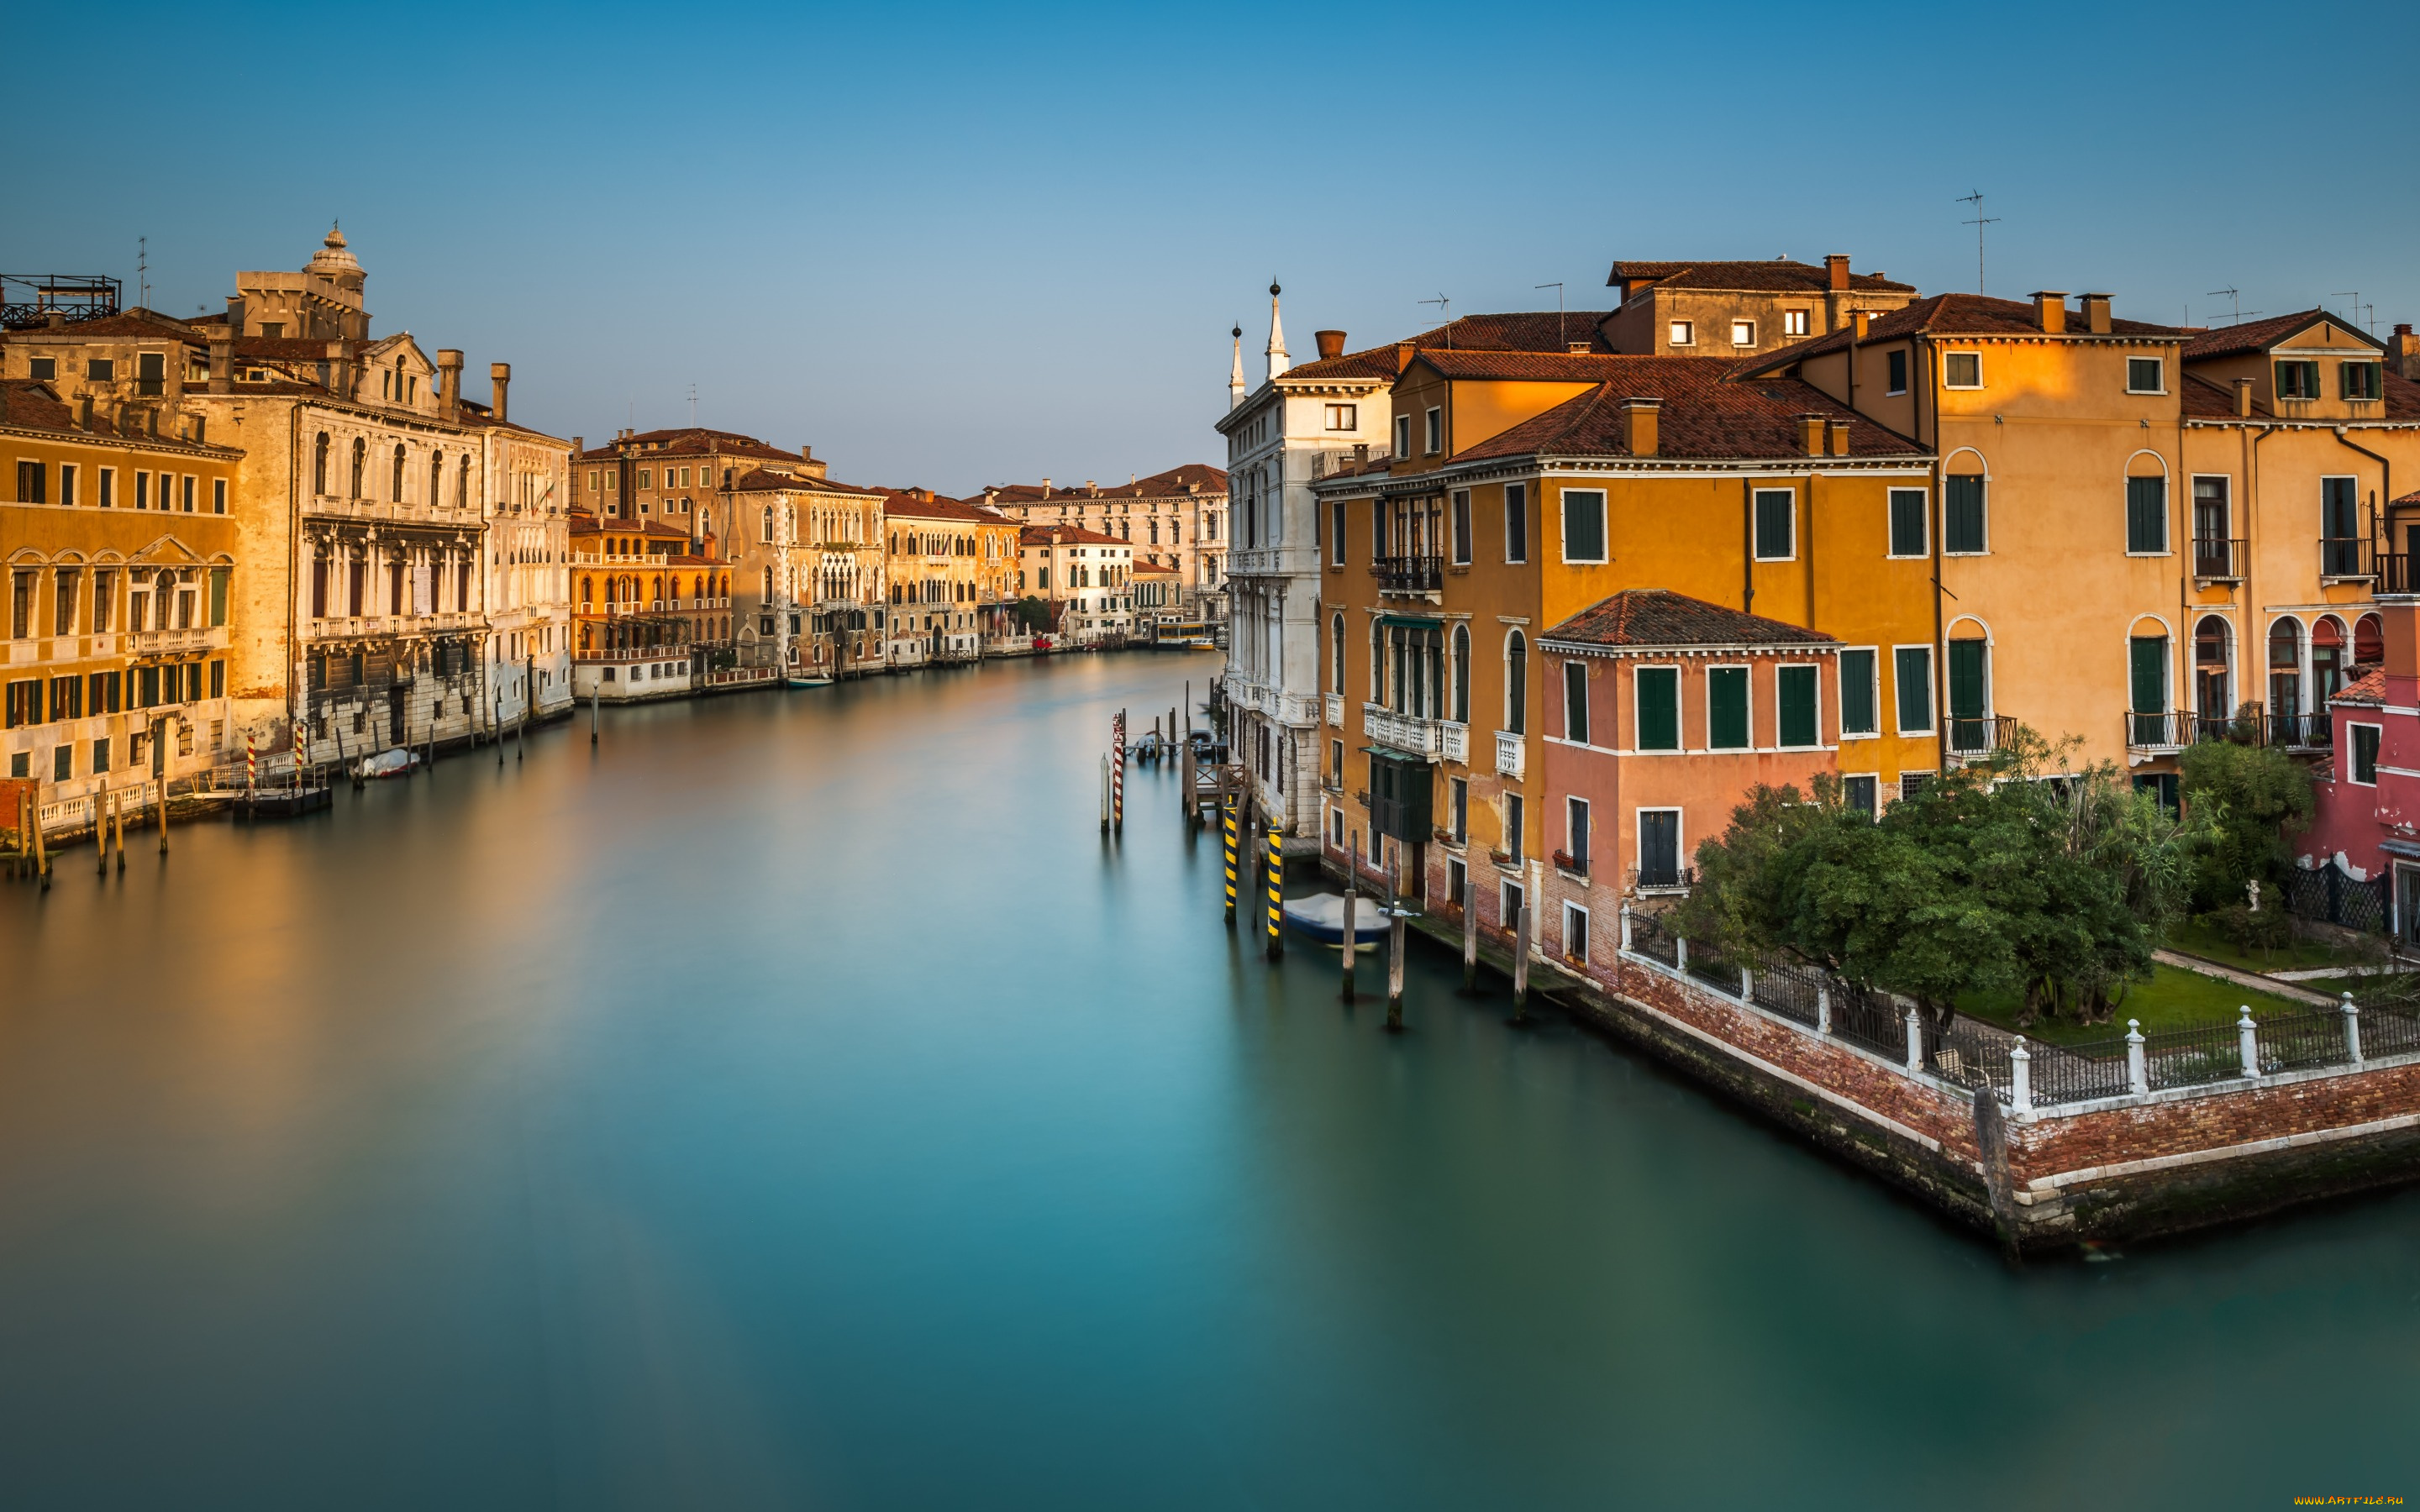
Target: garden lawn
(2174, 999)
(2196, 938)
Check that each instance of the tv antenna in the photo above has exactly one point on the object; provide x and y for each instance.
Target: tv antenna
(142, 272)
(1445, 316)
(693, 407)
(1978, 223)
(1560, 340)
(2354, 295)
(2237, 313)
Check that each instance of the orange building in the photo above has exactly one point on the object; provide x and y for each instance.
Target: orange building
(650, 603)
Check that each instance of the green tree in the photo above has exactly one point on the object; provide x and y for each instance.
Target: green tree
(1033, 615)
(2251, 799)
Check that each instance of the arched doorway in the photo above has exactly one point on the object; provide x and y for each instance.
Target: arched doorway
(2285, 678)
(2327, 660)
(2213, 676)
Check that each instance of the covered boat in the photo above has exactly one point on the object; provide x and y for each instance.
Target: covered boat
(1321, 916)
(395, 763)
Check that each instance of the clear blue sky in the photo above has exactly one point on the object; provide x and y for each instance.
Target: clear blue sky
(948, 245)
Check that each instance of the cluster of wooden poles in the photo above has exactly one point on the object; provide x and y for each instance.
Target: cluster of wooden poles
(31, 860)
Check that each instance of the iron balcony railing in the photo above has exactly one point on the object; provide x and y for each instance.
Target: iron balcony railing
(1410, 575)
(2177, 729)
(2219, 561)
(1980, 735)
(2395, 573)
(1663, 878)
(2346, 556)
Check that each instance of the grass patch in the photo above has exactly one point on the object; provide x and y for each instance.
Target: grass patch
(2194, 938)
(2174, 999)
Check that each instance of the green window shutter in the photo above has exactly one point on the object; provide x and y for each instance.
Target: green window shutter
(1963, 530)
(218, 595)
(1799, 726)
(1575, 709)
(1858, 716)
(1659, 708)
(2147, 664)
(1966, 679)
(1774, 508)
(1907, 522)
(1583, 525)
(1912, 670)
(2147, 514)
(1727, 708)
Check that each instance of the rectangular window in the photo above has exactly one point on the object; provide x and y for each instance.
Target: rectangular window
(1858, 702)
(33, 483)
(1743, 333)
(1336, 533)
(100, 370)
(1517, 523)
(2146, 375)
(62, 762)
(1403, 436)
(1515, 825)
(2339, 527)
(1794, 323)
(20, 603)
(1461, 527)
(150, 373)
(25, 703)
(1962, 532)
(1659, 847)
(1683, 333)
(218, 496)
(1435, 431)
(1858, 792)
(1908, 537)
(218, 595)
(1894, 369)
(218, 679)
(1509, 902)
(1344, 417)
(1777, 524)
(2146, 516)
(1727, 708)
(141, 490)
(1962, 370)
(2146, 663)
(63, 601)
(43, 369)
(99, 755)
(1583, 525)
(2298, 381)
(67, 483)
(1458, 808)
(1912, 672)
(646, 477)
(1797, 690)
(1457, 882)
(187, 495)
(2365, 753)
(2354, 380)
(1656, 692)
(1575, 709)
(108, 498)
(1576, 939)
(1576, 833)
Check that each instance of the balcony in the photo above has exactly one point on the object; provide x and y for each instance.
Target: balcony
(1334, 708)
(1402, 732)
(1979, 735)
(169, 643)
(1456, 745)
(1511, 754)
(1410, 575)
(1662, 879)
(1571, 866)
(2395, 574)
(2346, 559)
(2219, 562)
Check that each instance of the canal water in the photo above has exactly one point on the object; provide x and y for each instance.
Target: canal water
(794, 1103)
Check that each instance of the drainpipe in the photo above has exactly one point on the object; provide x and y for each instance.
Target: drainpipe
(2385, 488)
(1747, 545)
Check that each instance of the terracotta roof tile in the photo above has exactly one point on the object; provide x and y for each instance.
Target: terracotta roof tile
(1652, 617)
(2259, 335)
(1706, 416)
(1193, 480)
(2369, 687)
(1957, 314)
(30, 403)
(1780, 274)
(1522, 331)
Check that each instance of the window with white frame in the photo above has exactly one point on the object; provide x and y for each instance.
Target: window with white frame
(2363, 740)
(1682, 334)
(1659, 847)
(1798, 707)
(1743, 333)
(1403, 437)
(1859, 693)
(1962, 370)
(2146, 375)
(1575, 707)
(1909, 530)
(1433, 430)
(1461, 527)
(1794, 323)
(1895, 371)
(1517, 523)
(1344, 417)
(1584, 525)
(1575, 834)
(1859, 793)
(1576, 932)
(1911, 677)
(1777, 523)
(1508, 902)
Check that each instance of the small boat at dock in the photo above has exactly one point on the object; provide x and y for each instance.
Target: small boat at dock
(1321, 916)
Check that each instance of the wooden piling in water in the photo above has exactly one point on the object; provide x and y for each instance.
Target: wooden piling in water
(1395, 948)
(1352, 896)
(1469, 935)
(121, 835)
(104, 806)
(41, 851)
(1521, 965)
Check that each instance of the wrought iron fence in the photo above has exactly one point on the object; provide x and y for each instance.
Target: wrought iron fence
(2326, 894)
(2298, 1042)
(1410, 575)
(2191, 1056)
(1788, 991)
(1713, 968)
(2388, 1031)
(1870, 1020)
(1980, 735)
(2078, 1073)
(2218, 559)
(1650, 938)
(2345, 556)
(1972, 1054)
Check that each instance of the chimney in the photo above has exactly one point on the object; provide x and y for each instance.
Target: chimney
(1835, 272)
(1639, 417)
(1403, 352)
(1836, 431)
(83, 412)
(222, 364)
(1046, 487)
(2050, 310)
(2243, 398)
(2096, 314)
(1858, 320)
(449, 384)
(1360, 453)
(1810, 435)
(579, 447)
(235, 314)
(2403, 351)
(806, 453)
(501, 374)
(1331, 344)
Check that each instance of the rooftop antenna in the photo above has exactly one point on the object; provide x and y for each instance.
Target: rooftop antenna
(142, 272)
(1445, 316)
(1978, 223)
(1560, 340)
(2354, 295)
(693, 407)
(2235, 297)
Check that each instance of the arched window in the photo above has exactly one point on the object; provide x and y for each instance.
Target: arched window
(395, 489)
(462, 482)
(2327, 660)
(768, 531)
(1516, 684)
(436, 476)
(361, 465)
(1377, 663)
(2286, 670)
(587, 589)
(768, 585)
(1461, 711)
(2214, 682)
(1336, 655)
(2368, 641)
(1964, 525)
(319, 464)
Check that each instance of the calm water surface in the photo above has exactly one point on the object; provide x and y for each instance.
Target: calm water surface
(794, 1103)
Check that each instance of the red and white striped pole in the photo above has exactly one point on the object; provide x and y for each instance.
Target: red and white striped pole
(251, 767)
(1117, 774)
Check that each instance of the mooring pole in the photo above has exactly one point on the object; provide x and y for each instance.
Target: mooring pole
(160, 770)
(1395, 947)
(1118, 776)
(1469, 935)
(1227, 828)
(1352, 896)
(104, 806)
(1277, 891)
(121, 834)
(594, 694)
(1521, 965)
(41, 852)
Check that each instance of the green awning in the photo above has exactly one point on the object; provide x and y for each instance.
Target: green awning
(1411, 621)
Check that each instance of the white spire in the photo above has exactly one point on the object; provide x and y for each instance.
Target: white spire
(1278, 362)
(1235, 374)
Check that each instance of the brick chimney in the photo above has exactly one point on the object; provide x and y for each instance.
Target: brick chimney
(1835, 272)
(1639, 425)
(1858, 321)
(2050, 310)
(1810, 435)
(1837, 437)
(2096, 314)
(1404, 353)
(2243, 398)
(2403, 351)
(500, 374)
(1331, 344)
(449, 383)
(223, 363)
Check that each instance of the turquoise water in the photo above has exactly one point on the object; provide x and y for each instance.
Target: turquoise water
(795, 1102)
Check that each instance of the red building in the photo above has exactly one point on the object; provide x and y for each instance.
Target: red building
(2366, 827)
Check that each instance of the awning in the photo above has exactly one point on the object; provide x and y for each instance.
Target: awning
(1412, 622)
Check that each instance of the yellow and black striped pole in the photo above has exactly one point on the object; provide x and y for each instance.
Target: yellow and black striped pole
(1277, 891)
(1227, 828)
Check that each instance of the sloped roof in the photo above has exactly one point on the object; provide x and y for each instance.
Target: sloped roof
(2259, 335)
(765, 480)
(1521, 331)
(2369, 687)
(31, 403)
(909, 505)
(1960, 315)
(687, 440)
(1191, 480)
(1777, 275)
(1658, 617)
(1705, 415)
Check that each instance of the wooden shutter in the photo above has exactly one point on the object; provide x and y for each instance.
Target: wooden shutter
(1799, 726)
(1964, 529)
(1727, 727)
(1966, 679)
(1659, 708)
(1575, 709)
(1858, 693)
(2147, 514)
(2147, 660)
(1912, 670)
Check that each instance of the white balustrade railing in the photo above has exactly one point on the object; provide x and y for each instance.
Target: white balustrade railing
(1510, 753)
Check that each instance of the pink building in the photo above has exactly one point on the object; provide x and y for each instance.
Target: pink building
(2367, 823)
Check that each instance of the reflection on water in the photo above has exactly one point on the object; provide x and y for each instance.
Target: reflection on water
(795, 1102)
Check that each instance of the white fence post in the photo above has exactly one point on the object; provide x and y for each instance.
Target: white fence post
(1914, 1040)
(2138, 1077)
(1822, 1009)
(2021, 1080)
(1748, 985)
(1625, 926)
(2247, 1040)
(2353, 1029)
(1680, 953)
